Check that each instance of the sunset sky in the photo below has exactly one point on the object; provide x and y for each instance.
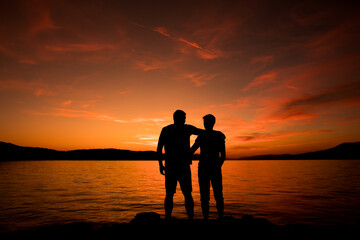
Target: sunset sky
(280, 76)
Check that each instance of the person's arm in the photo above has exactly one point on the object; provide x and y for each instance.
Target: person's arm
(222, 152)
(196, 131)
(159, 152)
(194, 147)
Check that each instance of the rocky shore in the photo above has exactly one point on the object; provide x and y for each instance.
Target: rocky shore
(150, 224)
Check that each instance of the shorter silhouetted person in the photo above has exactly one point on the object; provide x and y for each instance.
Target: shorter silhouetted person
(212, 157)
(175, 138)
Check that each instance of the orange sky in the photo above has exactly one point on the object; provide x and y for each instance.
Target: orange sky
(280, 76)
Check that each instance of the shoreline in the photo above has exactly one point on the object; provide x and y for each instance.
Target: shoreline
(150, 223)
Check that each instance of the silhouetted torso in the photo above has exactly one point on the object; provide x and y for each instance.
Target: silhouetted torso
(211, 143)
(176, 139)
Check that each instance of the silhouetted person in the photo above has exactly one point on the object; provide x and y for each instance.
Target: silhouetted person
(176, 140)
(212, 157)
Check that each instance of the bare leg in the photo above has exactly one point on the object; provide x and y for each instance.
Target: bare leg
(218, 194)
(220, 207)
(205, 209)
(169, 205)
(189, 205)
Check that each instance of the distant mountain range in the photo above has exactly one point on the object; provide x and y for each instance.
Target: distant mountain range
(10, 151)
(342, 151)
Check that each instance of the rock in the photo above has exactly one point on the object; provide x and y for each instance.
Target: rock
(146, 218)
(150, 224)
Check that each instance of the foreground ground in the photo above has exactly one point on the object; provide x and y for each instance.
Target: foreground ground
(152, 225)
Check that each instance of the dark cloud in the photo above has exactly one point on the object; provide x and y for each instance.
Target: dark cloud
(349, 93)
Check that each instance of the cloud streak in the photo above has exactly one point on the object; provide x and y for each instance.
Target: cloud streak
(348, 94)
(80, 47)
(200, 79)
(260, 81)
(37, 88)
(163, 31)
(74, 113)
(265, 136)
(200, 51)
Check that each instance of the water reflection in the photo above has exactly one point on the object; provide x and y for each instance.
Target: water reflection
(38, 192)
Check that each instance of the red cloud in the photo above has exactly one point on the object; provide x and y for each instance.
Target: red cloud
(36, 87)
(205, 53)
(162, 31)
(262, 59)
(260, 80)
(72, 113)
(209, 54)
(200, 79)
(310, 106)
(42, 23)
(80, 47)
(265, 136)
(192, 44)
(333, 41)
(151, 63)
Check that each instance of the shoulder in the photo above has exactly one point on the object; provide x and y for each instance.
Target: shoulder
(167, 128)
(220, 135)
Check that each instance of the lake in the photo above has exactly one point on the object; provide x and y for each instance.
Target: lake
(316, 192)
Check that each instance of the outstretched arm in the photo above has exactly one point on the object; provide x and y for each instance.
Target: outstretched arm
(194, 147)
(196, 131)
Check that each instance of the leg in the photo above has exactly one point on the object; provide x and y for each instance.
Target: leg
(205, 209)
(168, 205)
(220, 207)
(216, 181)
(186, 188)
(170, 186)
(204, 185)
(189, 205)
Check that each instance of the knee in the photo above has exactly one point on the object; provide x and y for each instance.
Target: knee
(205, 198)
(189, 198)
(219, 197)
(169, 196)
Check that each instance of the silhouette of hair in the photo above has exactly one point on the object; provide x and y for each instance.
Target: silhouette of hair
(179, 117)
(209, 121)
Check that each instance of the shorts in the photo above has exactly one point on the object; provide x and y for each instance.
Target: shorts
(213, 176)
(178, 174)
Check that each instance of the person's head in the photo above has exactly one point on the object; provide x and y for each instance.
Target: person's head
(209, 121)
(179, 117)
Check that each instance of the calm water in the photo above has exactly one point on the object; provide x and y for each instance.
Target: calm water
(315, 192)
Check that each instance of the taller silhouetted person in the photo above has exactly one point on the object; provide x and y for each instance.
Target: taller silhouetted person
(175, 138)
(212, 157)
